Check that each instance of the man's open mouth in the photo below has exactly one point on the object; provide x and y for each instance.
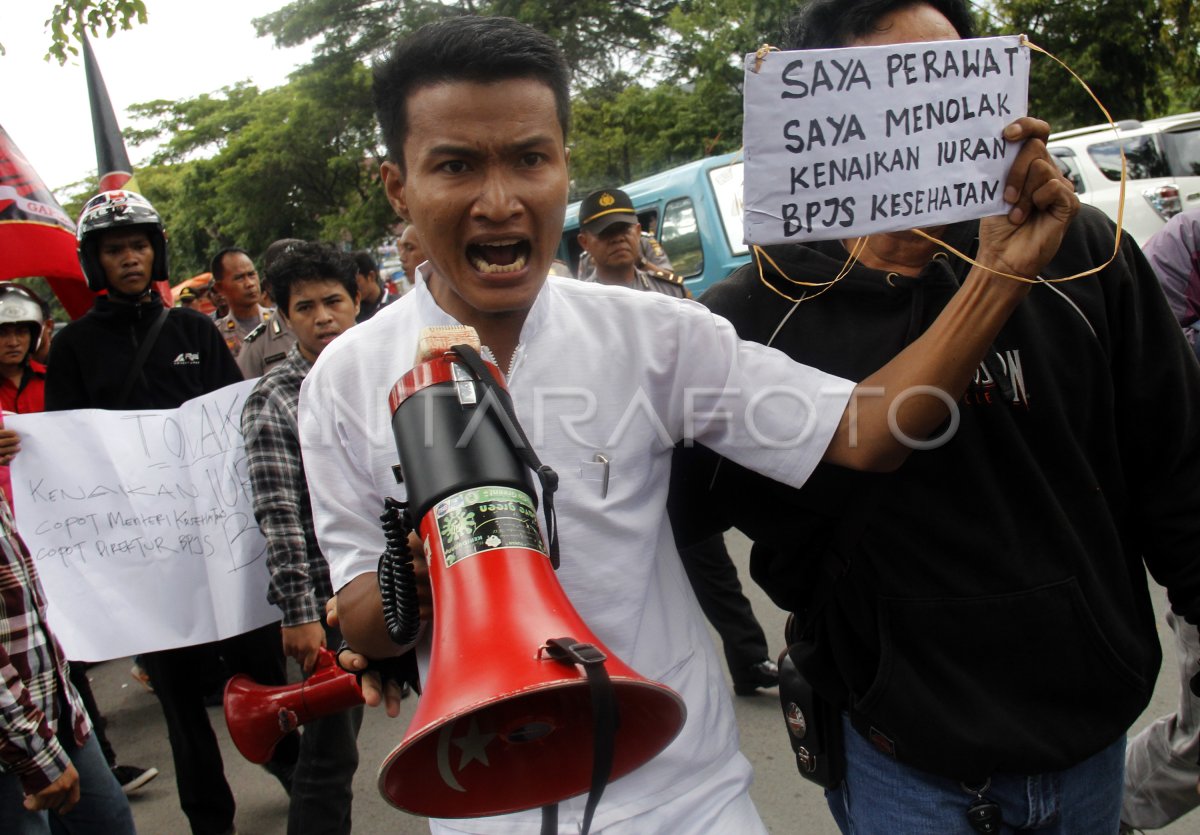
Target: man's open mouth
(499, 257)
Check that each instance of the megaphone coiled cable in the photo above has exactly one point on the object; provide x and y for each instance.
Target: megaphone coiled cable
(397, 577)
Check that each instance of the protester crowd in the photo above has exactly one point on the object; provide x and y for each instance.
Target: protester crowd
(973, 617)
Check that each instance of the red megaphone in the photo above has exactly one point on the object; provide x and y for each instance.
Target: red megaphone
(259, 716)
(501, 725)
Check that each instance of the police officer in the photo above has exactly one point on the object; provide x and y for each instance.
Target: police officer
(235, 278)
(267, 345)
(617, 252)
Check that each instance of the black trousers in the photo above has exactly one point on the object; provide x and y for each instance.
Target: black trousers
(181, 679)
(79, 679)
(714, 579)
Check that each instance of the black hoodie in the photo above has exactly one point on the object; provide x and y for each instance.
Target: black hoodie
(991, 613)
(90, 360)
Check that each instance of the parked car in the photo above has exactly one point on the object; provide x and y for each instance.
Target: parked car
(1162, 161)
(695, 211)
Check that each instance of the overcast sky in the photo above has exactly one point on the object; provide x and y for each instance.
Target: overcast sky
(185, 48)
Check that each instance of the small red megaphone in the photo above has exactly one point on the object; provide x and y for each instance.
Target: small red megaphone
(507, 719)
(259, 716)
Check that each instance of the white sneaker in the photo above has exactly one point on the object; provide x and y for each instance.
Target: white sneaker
(132, 778)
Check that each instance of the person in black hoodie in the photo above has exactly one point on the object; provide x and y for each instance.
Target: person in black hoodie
(94, 364)
(980, 617)
(123, 251)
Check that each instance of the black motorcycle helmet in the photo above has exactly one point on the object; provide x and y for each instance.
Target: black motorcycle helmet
(110, 210)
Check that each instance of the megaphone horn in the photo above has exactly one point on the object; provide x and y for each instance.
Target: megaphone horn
(505, 720)
(259, 716)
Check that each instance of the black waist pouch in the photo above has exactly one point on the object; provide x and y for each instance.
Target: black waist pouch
(814, 725)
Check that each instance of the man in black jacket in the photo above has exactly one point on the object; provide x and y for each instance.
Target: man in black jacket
(123, 251)
(94, 364)
(980, 617)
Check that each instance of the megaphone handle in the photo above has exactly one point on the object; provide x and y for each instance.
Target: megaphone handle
(397, 578)
(325, 658)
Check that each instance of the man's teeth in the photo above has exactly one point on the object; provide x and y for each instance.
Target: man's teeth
(497, 269)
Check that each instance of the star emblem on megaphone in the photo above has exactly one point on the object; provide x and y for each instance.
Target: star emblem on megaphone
(473, 746)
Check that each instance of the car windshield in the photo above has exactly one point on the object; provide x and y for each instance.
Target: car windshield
(1144, 158)
(1183, 152)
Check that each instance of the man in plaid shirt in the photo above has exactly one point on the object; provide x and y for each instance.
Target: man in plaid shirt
(316, 289)
(53, 776)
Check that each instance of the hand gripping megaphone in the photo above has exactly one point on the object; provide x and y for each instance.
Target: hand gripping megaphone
(259, 716)
(512, 709)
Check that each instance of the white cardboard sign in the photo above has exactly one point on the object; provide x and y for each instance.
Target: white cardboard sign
(847, 142)
(141, 525)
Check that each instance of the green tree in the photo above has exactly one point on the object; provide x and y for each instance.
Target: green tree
(591, 33)
(624, 131)
(69, 19)
(1180, 39)
(641, 68)
(1138, 56)
(656, 84)
(245, 167)
(628, 126)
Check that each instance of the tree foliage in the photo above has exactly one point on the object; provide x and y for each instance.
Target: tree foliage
(655, 84)
(687, 106)
(70, 19)
(592, 33)
(1138, 56)
(245, 167)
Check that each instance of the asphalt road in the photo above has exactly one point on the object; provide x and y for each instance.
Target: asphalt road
(787, 803)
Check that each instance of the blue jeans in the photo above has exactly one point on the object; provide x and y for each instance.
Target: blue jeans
(102, 808)
(881, 795)
(322, 785)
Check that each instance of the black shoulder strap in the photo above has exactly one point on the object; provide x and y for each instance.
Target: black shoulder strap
(605, 718)
(139, 361)
(546, 475)
(605, 721)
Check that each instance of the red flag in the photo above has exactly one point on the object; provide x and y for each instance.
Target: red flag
(112, 160)
(36, 236)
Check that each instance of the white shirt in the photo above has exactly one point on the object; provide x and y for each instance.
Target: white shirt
(598, 369)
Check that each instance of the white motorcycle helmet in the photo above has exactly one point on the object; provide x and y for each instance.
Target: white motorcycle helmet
(19, 305)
